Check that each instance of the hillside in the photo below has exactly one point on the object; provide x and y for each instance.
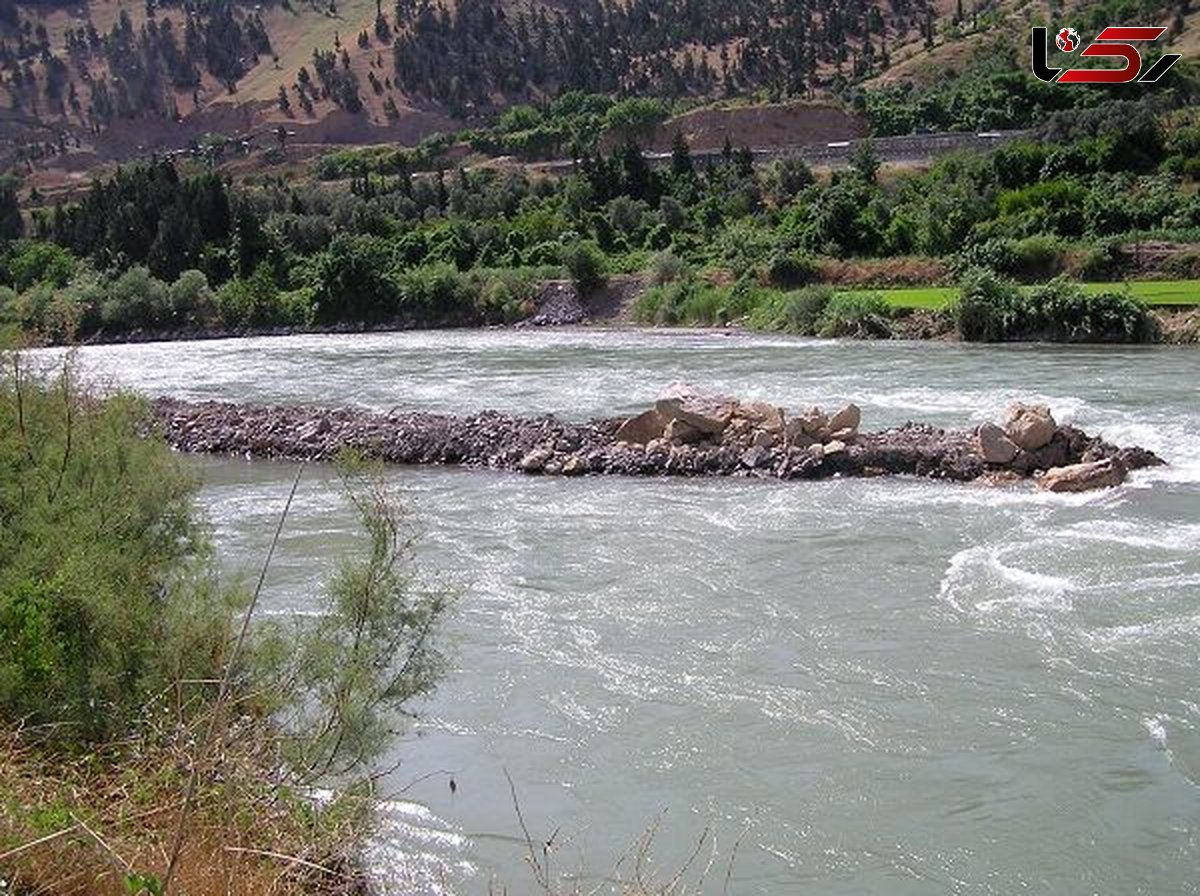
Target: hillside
(88, 82)
(106, 79)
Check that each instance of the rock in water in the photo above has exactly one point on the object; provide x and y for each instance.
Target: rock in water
(755, 457)
(995, 446)
(680, 432)
(796, 434)
(575, 466)
(1030, 426)
(645, 427)
(815, 423)
(707, 413)
(1083, 477)
(834, 447)
(550, 446)
(848, 418)
(761, 415)
(535, 461)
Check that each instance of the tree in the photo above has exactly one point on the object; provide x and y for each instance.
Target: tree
(12, 227)
(681, 156)
(585, 264)
(864, 160)
(354, 281)
(637, 180)
(635, 118)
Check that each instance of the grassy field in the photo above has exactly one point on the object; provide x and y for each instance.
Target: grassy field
(1152, 292)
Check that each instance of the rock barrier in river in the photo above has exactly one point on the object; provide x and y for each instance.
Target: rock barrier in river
(686, 433)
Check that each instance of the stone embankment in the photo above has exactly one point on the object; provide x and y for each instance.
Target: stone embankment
(686, 433)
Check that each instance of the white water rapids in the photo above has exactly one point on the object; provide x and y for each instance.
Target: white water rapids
(899, 686)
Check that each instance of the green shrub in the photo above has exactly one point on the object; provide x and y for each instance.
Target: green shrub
(110, 613)
(585, 264)
(661, 305)
(1064, 312)
(635, 117)
(251, 303)
(694, 302)
(998, 255)
(988, 308)
(103, 601)
(856, 315)
(29, 262)
(744, 245)
(666, 267)
(1037, 257)
(1101, 261)
(702, 304)
(297, 307)
(799, 312)
(8, 305)
(190, 299)
(992, 310)
(437, 293)
(355, 282)
(504, 295)
(658, 237)
(136, 300)
(1028, 260)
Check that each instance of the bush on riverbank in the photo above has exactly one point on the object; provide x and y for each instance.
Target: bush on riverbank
(122, 651)
(990, 309)
(811, 311)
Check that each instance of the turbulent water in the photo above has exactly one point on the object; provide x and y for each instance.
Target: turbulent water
(880, 686)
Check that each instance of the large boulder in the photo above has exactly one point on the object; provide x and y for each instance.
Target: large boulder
(1030, 426)
(575, 465)
(755, 457)
(761, 415)
(845, 421)
(833, 448)
(814, 422)
(680, 432)
(535, 461)
(1083, 477)
(643, 428)
(796, 434)
(995, 446)
(706, 412)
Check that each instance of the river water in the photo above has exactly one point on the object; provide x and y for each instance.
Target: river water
(880, 686)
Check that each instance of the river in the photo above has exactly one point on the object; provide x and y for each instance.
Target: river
(882, 686)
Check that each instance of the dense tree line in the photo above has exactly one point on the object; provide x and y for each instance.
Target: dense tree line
(152, 247)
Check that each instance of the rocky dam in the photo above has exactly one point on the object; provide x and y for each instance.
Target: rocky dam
(687, 432)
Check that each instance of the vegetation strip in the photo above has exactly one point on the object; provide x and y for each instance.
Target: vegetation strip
(1182, 293)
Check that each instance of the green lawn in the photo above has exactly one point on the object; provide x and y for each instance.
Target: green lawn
(1152, 292)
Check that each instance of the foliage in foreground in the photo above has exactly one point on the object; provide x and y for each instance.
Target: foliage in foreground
(121, 643)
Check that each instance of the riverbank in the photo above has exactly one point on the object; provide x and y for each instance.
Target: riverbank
(686, 433)
(1079, 313)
